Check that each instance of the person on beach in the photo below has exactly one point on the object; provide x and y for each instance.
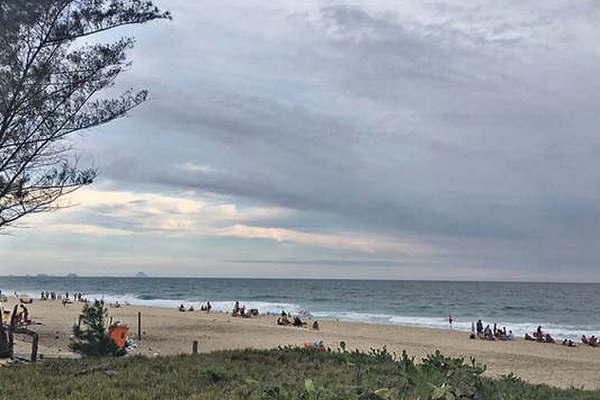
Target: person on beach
(236, 309)
(538, 333)
(510, 336)
(181, 308)
(487, 333)
(315, 325)
(450, 320)
(479, 328)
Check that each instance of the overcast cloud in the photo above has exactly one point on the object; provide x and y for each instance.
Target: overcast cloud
(438, 140)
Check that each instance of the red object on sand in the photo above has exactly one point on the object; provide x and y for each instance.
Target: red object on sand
(119, 335)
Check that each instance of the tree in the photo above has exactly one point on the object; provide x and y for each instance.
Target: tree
(94, 339)
(50, 89)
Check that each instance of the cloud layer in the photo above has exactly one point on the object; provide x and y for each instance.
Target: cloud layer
(435, 139)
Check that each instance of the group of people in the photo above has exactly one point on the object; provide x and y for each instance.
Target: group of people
(286, 319)
(540, 336)
(240, 311)
(494, 333)
(78, 296)
(590, 341)
(182, 308)
(204, 307)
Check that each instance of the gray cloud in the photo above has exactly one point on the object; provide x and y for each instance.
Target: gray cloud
(468, 126)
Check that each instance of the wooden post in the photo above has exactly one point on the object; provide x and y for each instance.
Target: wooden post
(34, 347)
(195, 347)
(139, 326)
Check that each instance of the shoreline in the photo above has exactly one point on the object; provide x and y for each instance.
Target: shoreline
(519, 328)
(168, 332)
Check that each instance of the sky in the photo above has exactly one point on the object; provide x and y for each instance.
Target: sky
(325, 139)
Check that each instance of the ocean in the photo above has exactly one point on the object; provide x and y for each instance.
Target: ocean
(566, 310)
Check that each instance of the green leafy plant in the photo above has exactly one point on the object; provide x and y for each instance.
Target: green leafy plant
(94, 339)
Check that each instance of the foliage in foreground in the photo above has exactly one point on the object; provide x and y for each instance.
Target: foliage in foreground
(270, 375)
(94, 339)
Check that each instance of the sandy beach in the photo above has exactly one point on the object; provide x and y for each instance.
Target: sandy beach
(167, 331)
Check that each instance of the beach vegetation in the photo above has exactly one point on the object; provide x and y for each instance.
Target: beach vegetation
(282, 374)
(94, 339)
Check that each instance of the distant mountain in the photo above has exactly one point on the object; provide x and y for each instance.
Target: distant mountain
(141, 275)
(72, 275)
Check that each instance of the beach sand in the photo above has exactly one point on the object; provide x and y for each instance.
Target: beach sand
(167, 331)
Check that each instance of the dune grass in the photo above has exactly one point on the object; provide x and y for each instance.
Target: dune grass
(276, 374)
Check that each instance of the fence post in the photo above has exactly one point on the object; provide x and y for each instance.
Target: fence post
(139, 325)
(34, 347)
(195, 347)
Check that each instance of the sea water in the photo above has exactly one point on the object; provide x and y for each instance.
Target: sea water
(563, 309)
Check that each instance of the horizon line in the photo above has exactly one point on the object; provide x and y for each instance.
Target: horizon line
(41, 275)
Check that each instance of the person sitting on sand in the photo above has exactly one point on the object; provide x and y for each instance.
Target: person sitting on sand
(208, 307)
(593, 341)
(191, 308)
(181, 308)
(26, 319)
(315, 325)
(283, 321)
(548, 338)
(584, 340)
(510, 336)
(538, 334)
(236, 309)
(297, 322)
(568, 343)
(487, 333)
(528, 337)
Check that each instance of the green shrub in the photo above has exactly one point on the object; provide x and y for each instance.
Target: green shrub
(93, 338)
(283, 374)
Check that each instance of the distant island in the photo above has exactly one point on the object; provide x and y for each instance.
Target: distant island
(141, 275)
(72, 275)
